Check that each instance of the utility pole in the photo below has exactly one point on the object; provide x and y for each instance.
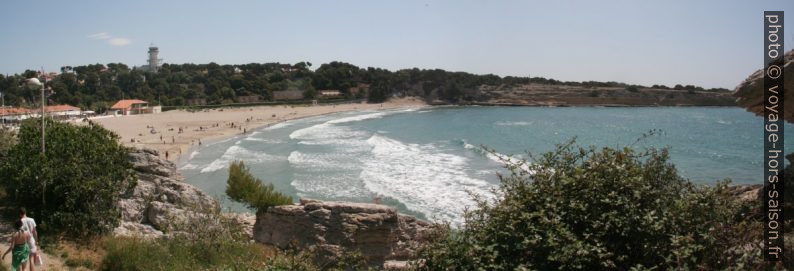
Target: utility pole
(34, 83)
(43, 149)
(5, 112)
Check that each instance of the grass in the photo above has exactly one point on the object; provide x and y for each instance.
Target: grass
(128, 254)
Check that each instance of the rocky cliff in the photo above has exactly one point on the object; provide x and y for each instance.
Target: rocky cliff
(161, 199)
(750, 93)
(378, 232)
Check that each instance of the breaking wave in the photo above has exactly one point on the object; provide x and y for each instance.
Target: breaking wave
(236, 152)
(421, 177)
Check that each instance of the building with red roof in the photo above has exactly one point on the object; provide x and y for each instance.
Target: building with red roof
(63, 110)
(134, 107)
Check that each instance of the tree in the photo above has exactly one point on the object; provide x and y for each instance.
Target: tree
(7, 141)
(245, 188)
(75, 188)
(593, 209)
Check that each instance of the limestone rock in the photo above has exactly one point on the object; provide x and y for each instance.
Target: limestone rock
(378, 232)
(750, 93)
(138, 230)
(147, 160)
(246, 221)
(160, 199)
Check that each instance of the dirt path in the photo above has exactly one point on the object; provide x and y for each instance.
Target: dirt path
(51, 262)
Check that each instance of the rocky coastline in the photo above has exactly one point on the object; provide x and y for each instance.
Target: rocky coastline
(161, 201)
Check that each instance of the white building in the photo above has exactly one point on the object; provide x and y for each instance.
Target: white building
(153, 60)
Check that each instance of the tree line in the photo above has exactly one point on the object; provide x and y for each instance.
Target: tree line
(98, 86)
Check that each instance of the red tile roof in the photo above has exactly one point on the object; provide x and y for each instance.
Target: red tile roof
(11, 111)
(61, 108)
(126, 104)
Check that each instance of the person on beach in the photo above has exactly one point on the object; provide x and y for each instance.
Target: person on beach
(29, 225)
(19, 246)
(166, 155)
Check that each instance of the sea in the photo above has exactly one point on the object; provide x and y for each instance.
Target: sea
(430, 162)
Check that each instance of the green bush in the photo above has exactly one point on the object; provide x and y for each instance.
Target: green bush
(594, 209)
(7, 141)
(249, 190)
(74, 188)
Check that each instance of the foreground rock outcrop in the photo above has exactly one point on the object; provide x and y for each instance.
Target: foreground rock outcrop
(750, 93)
(161, 198)
(378, 232)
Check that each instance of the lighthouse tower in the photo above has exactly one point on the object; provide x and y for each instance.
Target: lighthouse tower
(154, 62)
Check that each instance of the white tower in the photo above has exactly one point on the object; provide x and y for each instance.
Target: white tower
(154, 62)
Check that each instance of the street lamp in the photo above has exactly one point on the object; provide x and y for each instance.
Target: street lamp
(35, 84)
(3, 106)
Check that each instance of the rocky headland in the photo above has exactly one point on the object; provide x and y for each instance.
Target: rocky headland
(750, 93)
(560, 95)
(161, 202)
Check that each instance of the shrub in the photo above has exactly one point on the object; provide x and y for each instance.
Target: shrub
(632, 88)
(7, 141)
(211, 241)
(249, 190)
(592, 209)
(74, 188)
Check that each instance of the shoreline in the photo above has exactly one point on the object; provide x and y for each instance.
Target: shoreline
(208, 126)
(591, 105)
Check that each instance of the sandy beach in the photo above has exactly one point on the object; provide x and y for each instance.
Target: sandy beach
(173, 133)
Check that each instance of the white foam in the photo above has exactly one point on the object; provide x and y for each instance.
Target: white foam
(325, 131)
(329, 185)
(724, 122)
(236, 152)
(375, 115)
(422, 178)
(188, 166)
(500, 158)
(264, 140)
(193, 154)
(279, 125)
(323, 162)
(218, 142)
(514, 123)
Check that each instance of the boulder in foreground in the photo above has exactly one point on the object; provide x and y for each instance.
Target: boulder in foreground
(378, 232)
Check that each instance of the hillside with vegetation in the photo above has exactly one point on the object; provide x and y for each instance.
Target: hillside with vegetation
(98, 86)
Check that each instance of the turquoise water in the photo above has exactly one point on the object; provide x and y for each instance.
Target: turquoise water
(426, 161)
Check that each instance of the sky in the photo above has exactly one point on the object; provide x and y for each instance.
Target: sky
(705, 43)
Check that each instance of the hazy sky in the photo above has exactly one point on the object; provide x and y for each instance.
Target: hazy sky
(707, 43)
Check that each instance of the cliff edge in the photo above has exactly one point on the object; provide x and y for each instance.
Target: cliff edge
(378, 232)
